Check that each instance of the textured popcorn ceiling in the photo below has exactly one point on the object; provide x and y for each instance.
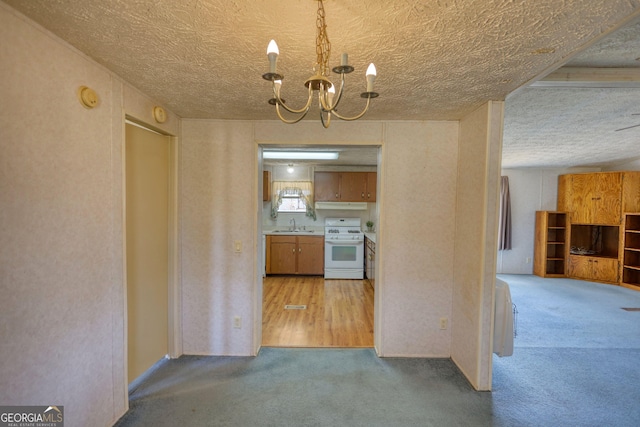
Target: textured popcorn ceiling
(436, 60)
(576, 126)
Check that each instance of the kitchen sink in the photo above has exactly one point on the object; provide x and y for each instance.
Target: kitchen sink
(293, 231)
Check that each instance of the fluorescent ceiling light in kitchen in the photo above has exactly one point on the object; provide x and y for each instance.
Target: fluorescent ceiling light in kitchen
(300, 155)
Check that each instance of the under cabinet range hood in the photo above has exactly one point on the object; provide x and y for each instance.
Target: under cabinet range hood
(345, 206)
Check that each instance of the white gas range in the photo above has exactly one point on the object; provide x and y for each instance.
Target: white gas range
(343, 249)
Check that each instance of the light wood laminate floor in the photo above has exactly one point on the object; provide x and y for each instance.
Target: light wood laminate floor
(338, 313)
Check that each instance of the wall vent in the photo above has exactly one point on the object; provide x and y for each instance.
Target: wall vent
(295, 307)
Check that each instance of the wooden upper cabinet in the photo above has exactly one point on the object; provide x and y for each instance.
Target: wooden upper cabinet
(266, 186)
(326, 187)
(631, 192)
(607, 200)
(345, 186)
(353, 186)
(372, 182)
(592, 198)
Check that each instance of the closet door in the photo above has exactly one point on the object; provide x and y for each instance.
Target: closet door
(147, 240)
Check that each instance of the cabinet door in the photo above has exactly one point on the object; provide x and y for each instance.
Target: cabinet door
(630, 192)
(372, 178)
(310, 255)
(605, 269)
(606, 207)
(583, 187)
(326, 186)
(353, 187)
(282, 255)
(580, 267)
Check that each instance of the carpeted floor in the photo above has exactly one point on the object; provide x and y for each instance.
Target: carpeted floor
(575, 364)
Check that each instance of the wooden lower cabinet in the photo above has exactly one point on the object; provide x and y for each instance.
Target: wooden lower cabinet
(310, 255)
(597, 269)
(295, 255)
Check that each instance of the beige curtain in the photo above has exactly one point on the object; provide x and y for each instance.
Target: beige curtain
(302, 189)
(504, 227)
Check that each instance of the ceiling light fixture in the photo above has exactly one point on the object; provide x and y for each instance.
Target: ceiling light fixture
(300, 155)
(290, 168)
(328, 98)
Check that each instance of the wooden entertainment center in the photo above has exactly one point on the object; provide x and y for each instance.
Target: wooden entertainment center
(595, 233)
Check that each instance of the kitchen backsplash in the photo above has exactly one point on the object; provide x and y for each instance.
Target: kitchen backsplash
(301, 219)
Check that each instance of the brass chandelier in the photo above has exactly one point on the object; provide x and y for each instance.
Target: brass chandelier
(328, 99)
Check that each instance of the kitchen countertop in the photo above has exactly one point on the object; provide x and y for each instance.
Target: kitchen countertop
(310, 231)
(371, 235)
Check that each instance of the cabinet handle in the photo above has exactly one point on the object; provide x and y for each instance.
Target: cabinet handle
(362, 195)
(368, 195)
(336, 195)
(299, 249)
(293, 250)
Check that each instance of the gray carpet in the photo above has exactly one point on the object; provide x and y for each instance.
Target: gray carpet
(576, 363)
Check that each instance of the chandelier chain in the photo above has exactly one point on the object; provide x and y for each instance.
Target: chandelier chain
(323, 45)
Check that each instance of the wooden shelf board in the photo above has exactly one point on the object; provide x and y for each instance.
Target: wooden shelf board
(632, 249)
(555, 259)
(556, 228)
(632, 267)
(555, 275)
(634, 286)
(632, 231)
(555, 243)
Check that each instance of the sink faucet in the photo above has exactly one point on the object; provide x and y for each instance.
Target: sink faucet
(294, 223)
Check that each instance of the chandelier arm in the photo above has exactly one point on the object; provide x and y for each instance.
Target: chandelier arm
(279, 101)
(328, 122)
(322, 97)
(290, 122)
(366, 107)
(324, 104)
(291, 110)
(339, 94)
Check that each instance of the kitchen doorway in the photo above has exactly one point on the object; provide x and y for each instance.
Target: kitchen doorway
(305, 310)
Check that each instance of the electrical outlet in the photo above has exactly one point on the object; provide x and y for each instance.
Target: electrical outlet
(528, 260)
(444, 323)
(238, 246)
(237, 322)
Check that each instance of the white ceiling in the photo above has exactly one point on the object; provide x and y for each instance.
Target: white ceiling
(436, 60)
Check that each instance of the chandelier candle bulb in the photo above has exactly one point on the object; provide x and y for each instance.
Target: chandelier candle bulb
(371, 76)
(272, 54)
(330, 92)
(344, 60)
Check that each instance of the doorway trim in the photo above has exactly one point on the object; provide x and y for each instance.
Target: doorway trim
(258, 289)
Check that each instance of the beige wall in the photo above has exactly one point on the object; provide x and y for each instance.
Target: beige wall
(62, 309)
(475, 242)
(416, 228)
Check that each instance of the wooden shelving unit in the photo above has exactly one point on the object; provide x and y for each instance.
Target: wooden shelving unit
(631, 258)
(550, 245)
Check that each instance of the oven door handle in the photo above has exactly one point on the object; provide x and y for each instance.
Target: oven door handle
(345, 242)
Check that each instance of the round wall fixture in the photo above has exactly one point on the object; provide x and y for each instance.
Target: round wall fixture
(88, 97)
(159, 114)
